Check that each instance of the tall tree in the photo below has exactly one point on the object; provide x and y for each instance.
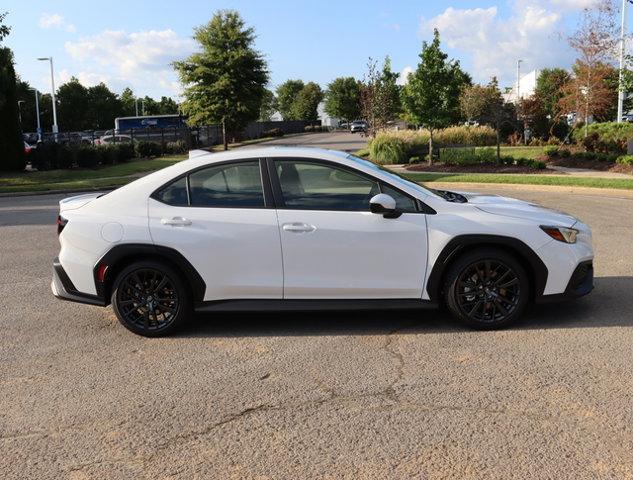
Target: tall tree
(380, 96)
(269, 106)
(549, 86)
(26, 97)
(105, 106)
(167, 106)
(11, 146)
(225, 81)
(431, 97)
(74, 105)
(128, 103)
(589, 92)
(306, 105)
(342, 98)
(287, 94)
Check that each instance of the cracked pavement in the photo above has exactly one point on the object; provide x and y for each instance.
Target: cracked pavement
(316, 395)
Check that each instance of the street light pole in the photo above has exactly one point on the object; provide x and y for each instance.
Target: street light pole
(20, 102)
(50, 60)
(37, 114)
(621, 91)
(518, 80)
(136, 106)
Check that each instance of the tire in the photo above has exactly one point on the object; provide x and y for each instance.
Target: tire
(138, 306)
(487, 289)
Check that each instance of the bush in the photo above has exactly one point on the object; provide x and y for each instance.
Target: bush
(388, 150)
(551, 151)
(51, 155)
(625, 160)
(176, 147)
(362, 153)
(273, 132)
(87, 156)
(147, 149)
(564, 152)
(607, 137)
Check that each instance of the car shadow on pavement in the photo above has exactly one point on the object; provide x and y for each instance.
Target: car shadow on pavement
(609, 305)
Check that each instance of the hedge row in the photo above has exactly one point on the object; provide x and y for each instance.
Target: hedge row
(50, 155)
(484, 156)
(607, 137)
(390, 147)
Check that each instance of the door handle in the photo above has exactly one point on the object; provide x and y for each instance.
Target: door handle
(298, 227)
(176, 221)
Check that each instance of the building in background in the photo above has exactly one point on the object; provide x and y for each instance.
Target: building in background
(527, 87)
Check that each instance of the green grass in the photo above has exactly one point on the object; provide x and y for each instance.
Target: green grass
(530, 179)
(115, 175)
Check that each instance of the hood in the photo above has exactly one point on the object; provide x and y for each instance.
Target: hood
(511, 207)
(72, 203)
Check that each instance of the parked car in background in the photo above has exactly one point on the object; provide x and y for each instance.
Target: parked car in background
(305, 228)
(358, 126)
(110, 139)
(344, 125)
(28, 148)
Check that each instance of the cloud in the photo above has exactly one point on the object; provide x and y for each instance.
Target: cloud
(494, 44)
(573, 5)
(87, 79)
(403, 78)
(141, 60)
(55, 21)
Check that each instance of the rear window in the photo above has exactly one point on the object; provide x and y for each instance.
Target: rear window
(174, 194)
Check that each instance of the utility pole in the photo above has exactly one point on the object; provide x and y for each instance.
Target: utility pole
(50, 60)
(37, 114)
(621, 91)
(519, 81)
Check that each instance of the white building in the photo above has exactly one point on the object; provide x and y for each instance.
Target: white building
(527, 87)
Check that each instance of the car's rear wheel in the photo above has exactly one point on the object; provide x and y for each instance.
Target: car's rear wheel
(150, 299)
(487, 289)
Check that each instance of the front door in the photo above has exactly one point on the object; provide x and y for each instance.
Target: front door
(333, 246)
(218, 219)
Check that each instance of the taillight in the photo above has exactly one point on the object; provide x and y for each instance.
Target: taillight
(61, 223)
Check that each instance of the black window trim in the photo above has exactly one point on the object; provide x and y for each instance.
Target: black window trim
(420, 206)
(263, 178)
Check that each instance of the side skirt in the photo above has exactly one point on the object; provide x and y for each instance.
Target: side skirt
(291, 305)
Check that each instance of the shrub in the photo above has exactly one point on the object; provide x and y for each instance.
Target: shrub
(362, 153)
(458, 156)
(551, 151)
(604, 137)
(51, 155)
(147, 149)
(625, 160)
(176, 147)
(480, 136)
(273, 132)
(564, 152)
(388, 149)
(87, 156)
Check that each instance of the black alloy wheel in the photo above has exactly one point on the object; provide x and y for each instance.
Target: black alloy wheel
(487, 289)
(150, 299)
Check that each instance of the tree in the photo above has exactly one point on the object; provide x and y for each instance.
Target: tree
(11, 146)
(287, 94)
(128, 103)
(590, 92)
(549, 86)
(269, 106)
(431, 97)
(105, 106)
(26, 97)
(225, 81)
(342, 98)
(380, 96)
(167, 106)
(74, 105)
(306, 105)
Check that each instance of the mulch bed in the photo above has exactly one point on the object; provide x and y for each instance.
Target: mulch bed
(600, 166)
(440, 167)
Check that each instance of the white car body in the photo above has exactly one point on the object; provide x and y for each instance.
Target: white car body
(301, 254)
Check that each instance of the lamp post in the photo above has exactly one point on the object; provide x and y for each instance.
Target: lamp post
(37, 114)
(585, 92)
(519, 80)
(20, 102)
(621, 92)
(50, 60)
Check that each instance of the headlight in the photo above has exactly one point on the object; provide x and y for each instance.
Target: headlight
(562, 234)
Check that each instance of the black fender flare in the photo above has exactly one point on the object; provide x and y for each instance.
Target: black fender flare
(133, 251)
(462, 243)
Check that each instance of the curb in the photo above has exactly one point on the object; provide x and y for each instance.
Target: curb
(59, 192)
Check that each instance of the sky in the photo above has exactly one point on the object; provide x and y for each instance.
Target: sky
(132, 43)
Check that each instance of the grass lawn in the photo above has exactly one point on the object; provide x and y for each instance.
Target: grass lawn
(82, 178)
(530, 179)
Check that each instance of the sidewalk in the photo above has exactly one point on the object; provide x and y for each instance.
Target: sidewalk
(560, 171)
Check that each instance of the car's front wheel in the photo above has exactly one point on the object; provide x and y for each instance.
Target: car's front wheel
(150, 299)
(487, 289)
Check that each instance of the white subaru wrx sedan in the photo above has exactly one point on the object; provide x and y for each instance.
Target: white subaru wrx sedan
(302, 228)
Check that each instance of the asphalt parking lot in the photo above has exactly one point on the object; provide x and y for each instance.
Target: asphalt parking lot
(354, 395)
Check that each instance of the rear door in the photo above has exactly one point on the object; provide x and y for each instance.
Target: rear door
(333, 246)
(220, 219)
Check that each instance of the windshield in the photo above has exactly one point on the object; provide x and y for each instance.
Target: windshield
(398, 178)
